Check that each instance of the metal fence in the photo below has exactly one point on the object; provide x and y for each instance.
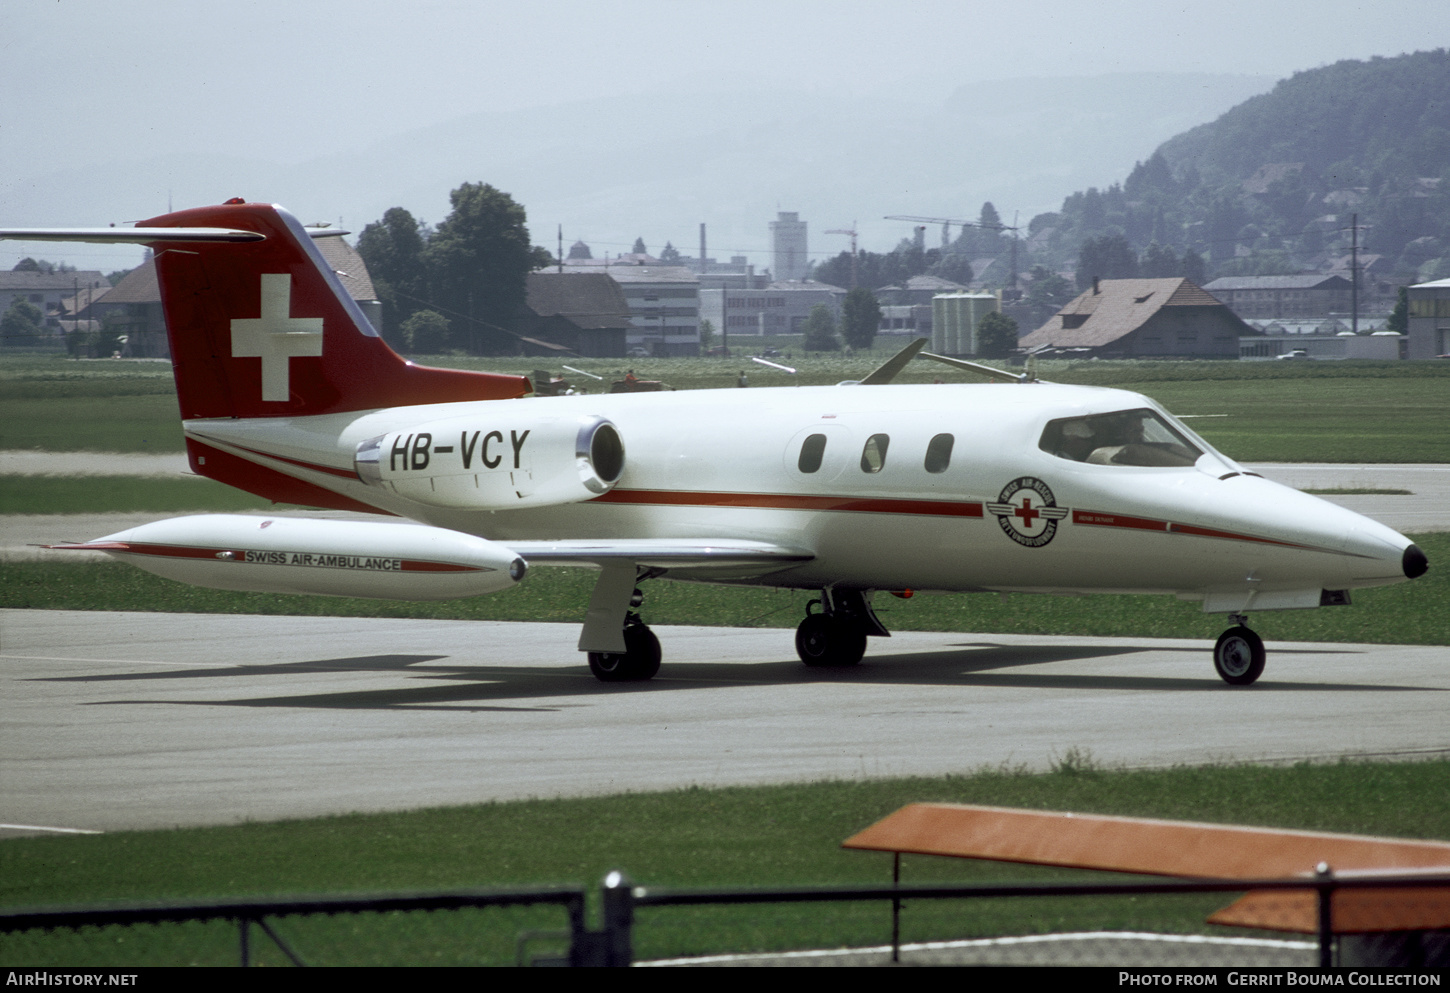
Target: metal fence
(613, 943)
(246, 914)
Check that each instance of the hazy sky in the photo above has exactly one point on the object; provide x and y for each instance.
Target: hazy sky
(298, 79)
(89, 81)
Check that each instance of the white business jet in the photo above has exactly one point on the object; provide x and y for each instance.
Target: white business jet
(287, 391)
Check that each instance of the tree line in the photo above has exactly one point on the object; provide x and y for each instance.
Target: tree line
(458, 286)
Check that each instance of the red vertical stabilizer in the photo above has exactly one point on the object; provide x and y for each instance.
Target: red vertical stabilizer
(265, 329)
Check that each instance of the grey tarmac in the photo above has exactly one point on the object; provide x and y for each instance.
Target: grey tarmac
(144, 720)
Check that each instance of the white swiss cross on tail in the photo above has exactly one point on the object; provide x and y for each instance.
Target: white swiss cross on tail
(276, 337)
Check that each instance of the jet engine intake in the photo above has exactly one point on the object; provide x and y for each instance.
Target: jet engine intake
(473, 463)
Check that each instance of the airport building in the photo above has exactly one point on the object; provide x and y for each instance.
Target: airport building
(1428, 334)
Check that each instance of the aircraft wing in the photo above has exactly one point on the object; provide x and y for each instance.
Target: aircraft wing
(736, 555)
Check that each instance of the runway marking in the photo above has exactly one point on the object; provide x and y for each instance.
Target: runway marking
(38, 827)
(932, 946)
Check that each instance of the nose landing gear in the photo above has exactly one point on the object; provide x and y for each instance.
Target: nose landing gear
(837, 636)
(1239, 655)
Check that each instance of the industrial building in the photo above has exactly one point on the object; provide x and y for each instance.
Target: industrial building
(777, 308)
(1428, 334)
(1279, 297)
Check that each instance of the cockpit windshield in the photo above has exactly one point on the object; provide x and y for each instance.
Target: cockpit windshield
(1128, 437)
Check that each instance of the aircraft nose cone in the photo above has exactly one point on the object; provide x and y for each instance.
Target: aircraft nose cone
(1415, 562)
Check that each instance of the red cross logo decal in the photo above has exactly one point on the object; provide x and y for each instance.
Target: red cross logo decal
(1026, 512)
(1034, 522)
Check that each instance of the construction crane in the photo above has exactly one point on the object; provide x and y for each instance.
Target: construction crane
(852, 232)
(946, 225)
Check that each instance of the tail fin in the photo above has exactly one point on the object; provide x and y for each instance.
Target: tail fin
(263, 328)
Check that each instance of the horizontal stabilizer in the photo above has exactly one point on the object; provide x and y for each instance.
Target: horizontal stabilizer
(128, 236)
(147, 236)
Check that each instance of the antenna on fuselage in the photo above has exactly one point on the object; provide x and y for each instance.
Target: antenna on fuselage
(981, 369)
(889, 369)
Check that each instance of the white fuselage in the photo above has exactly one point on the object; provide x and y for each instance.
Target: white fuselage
(728, 464)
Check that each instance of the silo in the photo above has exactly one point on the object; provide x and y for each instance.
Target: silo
(955, 317)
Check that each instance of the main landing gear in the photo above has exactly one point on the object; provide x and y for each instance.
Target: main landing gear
(837, 635)
(640, 659)
(1239, 655)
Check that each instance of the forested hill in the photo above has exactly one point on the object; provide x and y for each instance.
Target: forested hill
(1390, 116)
(1271, 186)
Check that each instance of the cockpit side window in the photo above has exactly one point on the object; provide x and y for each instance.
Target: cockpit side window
(1129, 437)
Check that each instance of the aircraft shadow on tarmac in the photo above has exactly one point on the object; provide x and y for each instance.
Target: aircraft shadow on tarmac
(484, 687)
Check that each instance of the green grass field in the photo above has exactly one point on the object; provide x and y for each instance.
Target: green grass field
(760, 836)
(1276, 411)
(120, 494)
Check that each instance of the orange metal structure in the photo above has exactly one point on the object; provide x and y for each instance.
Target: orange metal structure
(1188, 849)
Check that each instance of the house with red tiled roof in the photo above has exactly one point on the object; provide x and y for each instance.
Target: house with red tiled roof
(1143, 318)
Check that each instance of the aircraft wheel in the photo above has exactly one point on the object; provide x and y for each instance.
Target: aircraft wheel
(1239, 656)
(640, 659)
(827, 640)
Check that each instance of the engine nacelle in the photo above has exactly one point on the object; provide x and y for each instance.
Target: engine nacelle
(505, 464)
(381, 559)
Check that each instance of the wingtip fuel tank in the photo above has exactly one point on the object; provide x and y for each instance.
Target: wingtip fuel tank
(379, 559)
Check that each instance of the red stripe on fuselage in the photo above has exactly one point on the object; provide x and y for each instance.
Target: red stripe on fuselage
(791, 501)
(234, 470)
(1100, 519)
(340, 473)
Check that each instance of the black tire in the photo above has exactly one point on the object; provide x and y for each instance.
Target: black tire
(823, 640)
(1239, 656)
(639, 661)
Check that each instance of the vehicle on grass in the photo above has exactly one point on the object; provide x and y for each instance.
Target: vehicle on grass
(631, 384)
(286, 391)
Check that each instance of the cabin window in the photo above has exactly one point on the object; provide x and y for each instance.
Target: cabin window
(939, 453)
(813, 449)
(1129, 437)
(873, 456)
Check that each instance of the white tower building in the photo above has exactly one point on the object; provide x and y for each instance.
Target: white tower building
(788, 241)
